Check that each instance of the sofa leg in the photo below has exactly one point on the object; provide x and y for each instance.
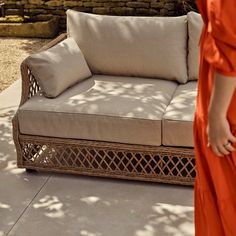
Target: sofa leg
(30, 170)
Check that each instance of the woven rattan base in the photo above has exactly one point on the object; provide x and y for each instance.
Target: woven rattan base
(117, 160)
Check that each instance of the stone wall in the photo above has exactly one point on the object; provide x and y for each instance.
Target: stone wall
(48, 8)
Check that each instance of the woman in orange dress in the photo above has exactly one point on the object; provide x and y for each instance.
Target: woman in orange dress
(215, 121)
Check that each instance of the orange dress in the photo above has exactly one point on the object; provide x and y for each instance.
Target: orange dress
(215, 184)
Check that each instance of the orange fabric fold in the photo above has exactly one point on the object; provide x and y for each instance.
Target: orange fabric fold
(215, 188)
(220, 39)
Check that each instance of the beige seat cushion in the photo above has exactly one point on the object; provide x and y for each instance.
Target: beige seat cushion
(151, 46)
(107, 108)
(195, 24)
(59, 67)
(178, 119)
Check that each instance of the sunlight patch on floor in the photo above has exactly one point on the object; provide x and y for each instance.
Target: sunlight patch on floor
(4, 206)
(90, 200)
(52, 205)
(174, 220)
(86, 233)
(13, 169)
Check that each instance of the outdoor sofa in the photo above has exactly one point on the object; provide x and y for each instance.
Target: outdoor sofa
(114, 96)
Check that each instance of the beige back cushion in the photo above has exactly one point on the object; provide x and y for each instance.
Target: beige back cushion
(59, 67)
(195, 24)
(132, 45)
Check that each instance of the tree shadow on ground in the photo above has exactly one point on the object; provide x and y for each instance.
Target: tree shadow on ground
(101, 206)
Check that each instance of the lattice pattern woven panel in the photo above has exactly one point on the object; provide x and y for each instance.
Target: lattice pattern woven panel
(33, 85)
(146, 165)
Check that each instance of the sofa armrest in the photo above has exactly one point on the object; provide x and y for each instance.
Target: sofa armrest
(30, 85)
(53, 42)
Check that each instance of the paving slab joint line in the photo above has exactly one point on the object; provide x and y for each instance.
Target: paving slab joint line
(29, 204)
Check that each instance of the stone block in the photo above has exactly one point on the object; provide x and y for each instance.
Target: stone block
(52, 7)
(73, 3)
(84, 9)
(169, 6)
(163, 12)
(114, 4)
(157, 4)
(137, 4)
(38, 11)
(122, 10)
(100, 0)
(9, 2)
(30, 6)
(10, 6)
(59, 12)
(24, 2)
(154, 12)
(36, 2)
(149, 1)
(12, 12)
(54, 3)
(171, 13)
(119, 0)
(101, 10)
(142, 11)
(44, 17)
(93, 4)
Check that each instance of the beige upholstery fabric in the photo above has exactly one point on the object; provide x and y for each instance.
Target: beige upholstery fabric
(177, 124)
(195, 24)
(59, 67)
(153, 47)
(106, 108)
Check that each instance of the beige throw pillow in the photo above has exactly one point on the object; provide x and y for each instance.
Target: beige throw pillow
(59, 67)
(195, 24)
(146, 46)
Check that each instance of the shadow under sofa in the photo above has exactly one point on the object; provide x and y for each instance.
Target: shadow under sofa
(119, 126)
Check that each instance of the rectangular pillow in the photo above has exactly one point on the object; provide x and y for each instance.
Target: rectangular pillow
(59, 67)
(144, 46)
(195, 24)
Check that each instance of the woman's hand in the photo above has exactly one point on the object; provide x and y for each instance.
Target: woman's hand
(219, 133)
(218, 128)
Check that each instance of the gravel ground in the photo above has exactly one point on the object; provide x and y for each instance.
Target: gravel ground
(12, 52)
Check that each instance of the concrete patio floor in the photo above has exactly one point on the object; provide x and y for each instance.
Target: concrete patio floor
(48, 204)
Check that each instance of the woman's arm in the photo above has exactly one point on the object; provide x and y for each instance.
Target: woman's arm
(219, 131)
